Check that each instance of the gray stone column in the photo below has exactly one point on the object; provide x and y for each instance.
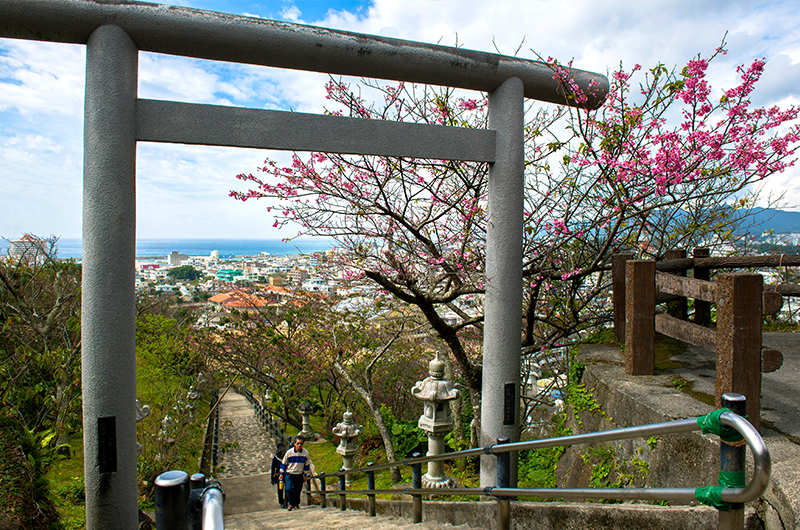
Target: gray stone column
(108, 327)
(305, 410)
(503, 304)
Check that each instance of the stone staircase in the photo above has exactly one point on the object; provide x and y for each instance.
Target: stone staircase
(316, 518)
(251, 501)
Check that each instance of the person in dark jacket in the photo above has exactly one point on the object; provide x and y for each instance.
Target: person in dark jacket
(277, 460)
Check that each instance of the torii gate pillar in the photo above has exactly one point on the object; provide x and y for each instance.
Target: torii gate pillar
(108, 310)
(503, 303)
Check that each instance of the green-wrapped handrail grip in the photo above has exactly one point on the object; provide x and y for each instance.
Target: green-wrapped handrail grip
(711, 424)
(732, 487)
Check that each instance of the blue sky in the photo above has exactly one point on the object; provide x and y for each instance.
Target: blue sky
(182, 191)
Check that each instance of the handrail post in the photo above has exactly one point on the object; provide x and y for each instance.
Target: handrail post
(323, 501)
(342, 496)
(503, 481)
(197, 481)
(702, 309)
(371, 487)
(618, 287)
(197, 484)
(172, 500)
(732, 460)
(738, 341)
(215, 441)
(640, 312)
(416, 470)
(307, 490)
(679, 309)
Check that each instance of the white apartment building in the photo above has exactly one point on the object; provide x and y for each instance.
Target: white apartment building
(318, 285)
(153, 274)
(30, 249)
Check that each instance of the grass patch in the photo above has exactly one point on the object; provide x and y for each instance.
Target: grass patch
(66, 485)
(772, 324)
(327, 460)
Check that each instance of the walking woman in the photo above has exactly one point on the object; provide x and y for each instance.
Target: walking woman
(277, 459)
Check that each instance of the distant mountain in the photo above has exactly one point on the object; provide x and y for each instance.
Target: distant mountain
(780, 221)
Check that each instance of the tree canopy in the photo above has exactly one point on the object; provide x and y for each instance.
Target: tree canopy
(184, 272)
(659, 166)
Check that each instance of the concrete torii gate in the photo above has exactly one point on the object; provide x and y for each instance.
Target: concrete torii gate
(114, 31)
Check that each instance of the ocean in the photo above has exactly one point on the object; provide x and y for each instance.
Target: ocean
(228, 248)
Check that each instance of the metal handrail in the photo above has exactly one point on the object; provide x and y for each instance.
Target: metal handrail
(752, 490)
(213, 498)
(195, 503)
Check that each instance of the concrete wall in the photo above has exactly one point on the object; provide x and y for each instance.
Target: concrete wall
(684, 460)
(548, 515)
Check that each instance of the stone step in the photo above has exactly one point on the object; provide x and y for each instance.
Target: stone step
(316, 518)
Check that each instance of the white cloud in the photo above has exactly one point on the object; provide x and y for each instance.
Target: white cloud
(33, 142)
(41, 77)
(292, 14)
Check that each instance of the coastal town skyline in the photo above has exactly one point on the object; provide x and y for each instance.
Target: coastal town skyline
(182, 191)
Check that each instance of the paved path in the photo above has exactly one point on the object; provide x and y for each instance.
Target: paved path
(316, 518)
(780, 398)
(243, 470)
(252, 447)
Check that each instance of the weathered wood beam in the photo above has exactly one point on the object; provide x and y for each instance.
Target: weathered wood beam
(729, 262)
(686, 331)
(688, 287)
(640, 308)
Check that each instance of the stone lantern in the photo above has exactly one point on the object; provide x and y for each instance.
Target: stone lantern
(141, 413)
(347, 431)
(305, 408)
(436, 421)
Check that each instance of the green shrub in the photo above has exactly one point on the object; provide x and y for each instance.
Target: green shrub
(24, 498)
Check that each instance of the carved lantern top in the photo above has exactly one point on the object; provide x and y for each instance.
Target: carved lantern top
(305, 408)
(435, 388)
(347, 428)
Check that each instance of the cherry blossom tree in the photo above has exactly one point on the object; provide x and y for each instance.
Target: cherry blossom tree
(668, 164)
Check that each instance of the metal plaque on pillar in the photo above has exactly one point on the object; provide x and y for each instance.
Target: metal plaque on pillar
(107, 444)
(509, 404)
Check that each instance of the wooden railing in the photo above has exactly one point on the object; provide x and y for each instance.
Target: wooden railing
(741, 302)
